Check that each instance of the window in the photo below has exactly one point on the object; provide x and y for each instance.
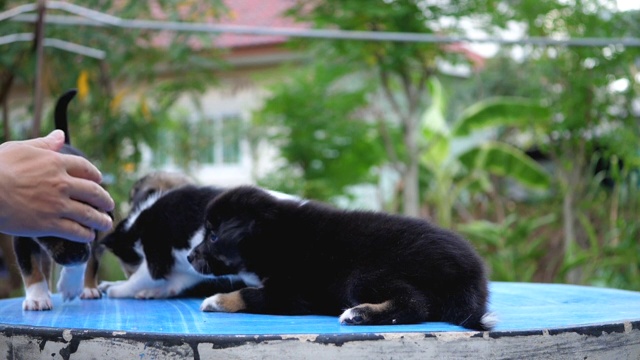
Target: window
(210, 141)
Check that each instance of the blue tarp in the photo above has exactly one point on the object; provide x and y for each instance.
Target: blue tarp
(518, 306)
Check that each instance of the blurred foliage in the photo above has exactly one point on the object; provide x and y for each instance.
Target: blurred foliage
(400, 69)
(590, 144)
(123, 102)
(587, 118)
(459, 164)
(512, 259)
(313, 118)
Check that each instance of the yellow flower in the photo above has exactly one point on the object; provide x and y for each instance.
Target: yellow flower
(116, 101)
(83, 84)
(129, 167)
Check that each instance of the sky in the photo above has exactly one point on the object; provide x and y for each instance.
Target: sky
(628, 4)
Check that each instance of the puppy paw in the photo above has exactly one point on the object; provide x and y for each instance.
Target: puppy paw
(37, 304)
(155, 293)
(371, 314)
(212, 304)
(352, 317)
(119, 292)
(37, 297)
(231, 302)
(71, 282)
(105, 285)
(70, 293)
(90, 293)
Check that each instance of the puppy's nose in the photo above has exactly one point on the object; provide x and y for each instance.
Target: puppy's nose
(190, 257)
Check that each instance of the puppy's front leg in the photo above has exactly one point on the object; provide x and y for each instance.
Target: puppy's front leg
(71, 281)
(248, 299)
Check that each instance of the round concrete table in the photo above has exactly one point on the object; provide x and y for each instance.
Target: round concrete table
(535, 321)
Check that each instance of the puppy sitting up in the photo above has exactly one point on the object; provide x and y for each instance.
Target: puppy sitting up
(314, 259)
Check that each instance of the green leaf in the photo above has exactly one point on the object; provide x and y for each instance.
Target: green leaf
(439, 149)
(433, 120)
(500, 111)
(505, 160)
(483, 231)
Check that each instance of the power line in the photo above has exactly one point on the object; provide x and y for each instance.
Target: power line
(55, 43)
(90, 17)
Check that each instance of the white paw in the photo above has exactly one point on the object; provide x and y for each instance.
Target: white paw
(212, 303)
(71, 282)
(153, 293)
(42, 303)
(70, 293)
(351, 317)
(104, 285)
(37, 297)
(117, 291)
(90, 293)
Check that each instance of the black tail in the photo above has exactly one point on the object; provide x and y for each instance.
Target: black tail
(60, 115)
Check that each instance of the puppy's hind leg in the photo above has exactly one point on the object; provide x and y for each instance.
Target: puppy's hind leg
(91, 290)
(385, 303)
(35, 266)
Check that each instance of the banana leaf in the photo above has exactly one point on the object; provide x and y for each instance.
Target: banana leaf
(501, 111)
(505, 160)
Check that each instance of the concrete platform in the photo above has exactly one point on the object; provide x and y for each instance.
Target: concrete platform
(537, 321)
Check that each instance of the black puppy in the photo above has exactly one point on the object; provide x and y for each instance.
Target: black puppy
(314, 259)
(34, 254)
(152, 244)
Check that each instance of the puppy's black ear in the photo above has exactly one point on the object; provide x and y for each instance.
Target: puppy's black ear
(120, 235)
(260, 203)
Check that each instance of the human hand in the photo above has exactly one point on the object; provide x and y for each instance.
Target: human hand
(46, 193)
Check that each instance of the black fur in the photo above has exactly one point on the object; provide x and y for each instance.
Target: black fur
(315, 259)
(163, 225)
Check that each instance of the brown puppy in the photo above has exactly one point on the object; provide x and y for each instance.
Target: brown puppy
(157, 181)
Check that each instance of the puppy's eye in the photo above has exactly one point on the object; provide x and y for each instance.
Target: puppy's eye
(213, 237)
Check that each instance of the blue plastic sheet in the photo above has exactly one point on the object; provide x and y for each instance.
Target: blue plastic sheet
(518, 306)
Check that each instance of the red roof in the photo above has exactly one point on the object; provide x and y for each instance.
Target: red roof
(268, 14)
(264, 13)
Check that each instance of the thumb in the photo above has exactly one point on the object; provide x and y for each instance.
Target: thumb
(53, 141)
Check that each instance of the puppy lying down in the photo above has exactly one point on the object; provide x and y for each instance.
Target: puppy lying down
(153, 241)
(370, 268)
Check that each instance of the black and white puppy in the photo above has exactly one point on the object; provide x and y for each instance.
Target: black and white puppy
(153, 242)
(368, 267)
(34, 255)
(155, 184)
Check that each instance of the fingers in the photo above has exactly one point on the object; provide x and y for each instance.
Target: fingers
(80, 167)
(86, 217)
(73, 231)
(91, 193)
(53, 141)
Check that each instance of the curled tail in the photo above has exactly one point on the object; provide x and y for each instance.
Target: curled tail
(60, 114)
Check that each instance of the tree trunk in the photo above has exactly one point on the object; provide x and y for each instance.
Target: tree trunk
(39, 50)
(411, 193)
